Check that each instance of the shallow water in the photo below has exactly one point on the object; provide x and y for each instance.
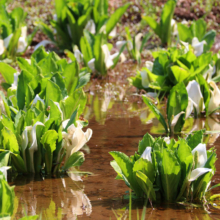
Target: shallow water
(119, 122)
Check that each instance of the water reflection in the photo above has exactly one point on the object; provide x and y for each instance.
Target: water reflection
(50, 198)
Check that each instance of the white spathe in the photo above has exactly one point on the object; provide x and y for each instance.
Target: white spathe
(209, 73)
(37, 98)
(174, 27)
(194, 93)
(149, 65)
(43, 43)
(190, 107)
(147, 154)
(4, 44)
(138, 41)
(108, 57)
(198, 46)
(167, 140)
(202, 155)
(120, 44)
(15, 83)
(91, 64)
(78, 55)
(29, 136)
(2, 47)
(144, 78)
(22, 44)
(186, 46)
(4, 171)
(202, 158)
(176, 118)
(215, 97)
(74, 138)
(90, 26)
(198, 172)
(113, 33)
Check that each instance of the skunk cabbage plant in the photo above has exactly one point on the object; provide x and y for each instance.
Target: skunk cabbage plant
(73, 17)
(13, 32)
(174, 66)
(196, 35)
(163, 29)
(47, 92)
(134, 45)
(167, 169)
(95, 53)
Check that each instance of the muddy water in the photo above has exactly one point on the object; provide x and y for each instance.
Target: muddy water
(118, 121)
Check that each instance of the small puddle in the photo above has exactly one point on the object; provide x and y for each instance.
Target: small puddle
(119, 121)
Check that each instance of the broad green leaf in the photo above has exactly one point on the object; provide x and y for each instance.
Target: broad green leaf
(7, 72)
(145, 167)
(165, 22)
(9, 141)
(53, 92)
(179, 73)
(147, 141)
(195, 139)
(177, 102)
(7, 196)
(170, 172)
(48, 141)
(76, 159)
(4, 158)
(204, 87)
(71, 77)
(153, 24)
(115, 17)
(209, 37)
(126, 167)
(185, 33)
(146, 185)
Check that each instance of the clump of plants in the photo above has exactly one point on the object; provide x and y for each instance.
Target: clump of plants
(134, 45)
(177, 64)
(168, 170)
(40, 111)
(73, 17)
(13, 32)
(163, 29)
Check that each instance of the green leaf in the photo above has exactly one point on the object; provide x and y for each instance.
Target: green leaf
(195, 139)
(209, 37)
(53, 92)
(204, 87)
(185, 33)
(177, 102)
(165, 22)
(72, 120)
(71, 77)
(4, 157)
(179, 73)
(7, 196)
(156, 112)
(153, 24)
(7, 72)
(18, 162)
(170, 172)
(9, 141)
(198, 28)
(146, 185)
(76, 159)
(48, 141)
(126, 167)
(147, 141)
(115, 17)
(145, 167)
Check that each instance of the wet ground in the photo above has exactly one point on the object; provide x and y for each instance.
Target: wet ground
(119, 120)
